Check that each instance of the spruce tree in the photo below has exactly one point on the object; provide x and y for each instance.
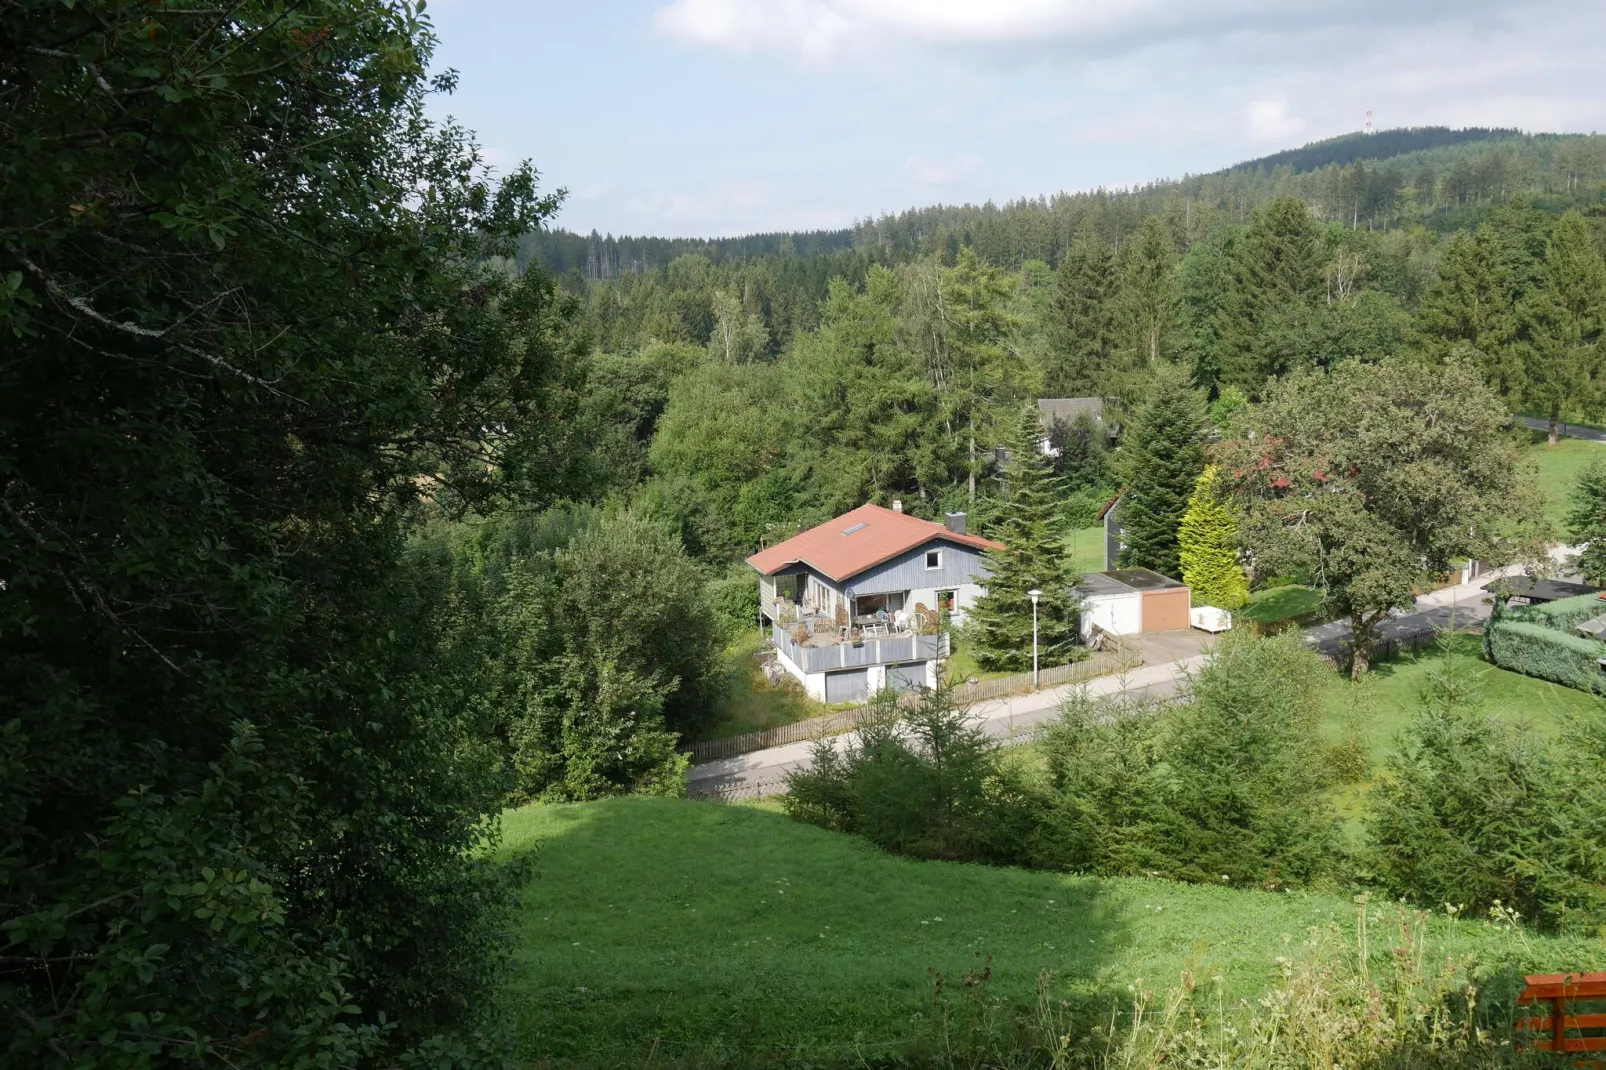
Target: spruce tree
(1161, 460)
(1586, 521)
(1001, 620)
(1562, 323)
(1469, 308)
(1081, 330)
(1207, 543)
(1277, 269)
(1149, 295)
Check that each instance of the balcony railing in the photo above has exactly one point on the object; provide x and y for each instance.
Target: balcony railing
(849, 655)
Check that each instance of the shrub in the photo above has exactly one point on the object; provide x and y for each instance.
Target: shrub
(1228, 784)
(1537, 650)
(1476, 812)
(1246, 771)
(923, 780)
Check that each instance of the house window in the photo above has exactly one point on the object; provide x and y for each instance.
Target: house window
(933, 558)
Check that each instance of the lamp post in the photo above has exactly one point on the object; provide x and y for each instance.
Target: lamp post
(1034, 594)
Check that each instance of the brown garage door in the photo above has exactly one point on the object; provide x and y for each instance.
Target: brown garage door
(1167, 610)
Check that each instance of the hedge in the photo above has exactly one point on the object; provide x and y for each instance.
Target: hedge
(1564, 614)
(1536, 650)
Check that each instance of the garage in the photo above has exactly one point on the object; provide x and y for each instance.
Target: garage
(850, 686)
(906, 677)
(1132, 601)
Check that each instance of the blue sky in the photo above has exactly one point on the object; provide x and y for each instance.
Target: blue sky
(716, 117)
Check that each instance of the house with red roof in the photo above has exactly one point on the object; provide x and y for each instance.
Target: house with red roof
(862, 602)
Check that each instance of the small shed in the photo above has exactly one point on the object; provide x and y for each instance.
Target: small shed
(1131, 601)
(1527, 591)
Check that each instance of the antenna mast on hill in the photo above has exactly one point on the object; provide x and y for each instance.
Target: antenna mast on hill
(1367, 129)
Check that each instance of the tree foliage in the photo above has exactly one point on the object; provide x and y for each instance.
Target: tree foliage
(1207, 546)
(1374, 478)
(252, 317)
(1160, 462)
(1032, 559)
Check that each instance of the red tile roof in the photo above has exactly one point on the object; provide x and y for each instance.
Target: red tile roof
(858, 540)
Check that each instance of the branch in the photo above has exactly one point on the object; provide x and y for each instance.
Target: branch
(84, 308)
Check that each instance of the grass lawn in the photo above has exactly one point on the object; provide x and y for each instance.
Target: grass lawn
(656, 929)
(751, 703)
(1385, 704)
(1086, 547)
(1559, 466)
(1280, 603)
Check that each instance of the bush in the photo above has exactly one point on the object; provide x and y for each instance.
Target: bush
(1537, 650)
(923, 780)
(1480, 813)
(1228, 784)
(1476, 812)
(1246, 772)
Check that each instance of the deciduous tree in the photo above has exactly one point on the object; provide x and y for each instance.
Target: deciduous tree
(1374, 478)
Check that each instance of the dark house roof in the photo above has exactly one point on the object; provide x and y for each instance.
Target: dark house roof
(1541, 590)
(1068, 409)
(1126, 581)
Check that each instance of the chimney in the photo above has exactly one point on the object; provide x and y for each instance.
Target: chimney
(956, 523)
(897, 505)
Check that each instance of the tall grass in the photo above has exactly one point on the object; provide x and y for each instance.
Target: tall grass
(1377, 996)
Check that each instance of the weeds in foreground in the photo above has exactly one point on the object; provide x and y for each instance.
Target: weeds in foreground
(1375, 997)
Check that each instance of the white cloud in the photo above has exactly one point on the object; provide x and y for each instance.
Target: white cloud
(929, 172)
(819, 30)
(1272, 120)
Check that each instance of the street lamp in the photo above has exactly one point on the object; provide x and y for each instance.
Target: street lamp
(1034, 594)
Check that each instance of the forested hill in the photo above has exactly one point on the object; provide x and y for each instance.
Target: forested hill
(1383, 145)
(1435, 176)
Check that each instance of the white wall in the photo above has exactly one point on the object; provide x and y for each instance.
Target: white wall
(965, 596)
(1118, 614)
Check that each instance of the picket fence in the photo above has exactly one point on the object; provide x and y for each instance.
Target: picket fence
(1118, 659)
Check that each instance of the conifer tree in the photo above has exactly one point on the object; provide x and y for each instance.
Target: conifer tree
(1149, 290)
(1469, 309)
(1161, 460)
(1562, 323)
(1001, 620)
(1207, 543)
(1277, 270)
(1081, 331)
(1586, 521)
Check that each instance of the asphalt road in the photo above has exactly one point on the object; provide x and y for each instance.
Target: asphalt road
(1567, 430)
(764, 772)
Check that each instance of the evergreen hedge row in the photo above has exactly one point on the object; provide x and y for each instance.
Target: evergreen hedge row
(1564, 614)
(1535, 649)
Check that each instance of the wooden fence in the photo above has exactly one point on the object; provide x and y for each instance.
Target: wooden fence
(1120, 658)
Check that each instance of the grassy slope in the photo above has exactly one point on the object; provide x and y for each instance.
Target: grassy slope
(696, 927)
(1392, 697)
(1559, 466)
(750, 703)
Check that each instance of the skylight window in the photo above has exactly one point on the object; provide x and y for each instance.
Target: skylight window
(861, 524)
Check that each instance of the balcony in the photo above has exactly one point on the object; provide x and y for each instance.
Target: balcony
(823, 652)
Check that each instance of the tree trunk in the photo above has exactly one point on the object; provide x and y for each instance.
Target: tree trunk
(972, 473)
(1360, 638)
(1555, 431)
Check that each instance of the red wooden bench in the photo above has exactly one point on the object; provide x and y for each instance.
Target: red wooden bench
(1561, 990)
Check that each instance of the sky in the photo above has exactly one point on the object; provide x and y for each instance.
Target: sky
(705, 118)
